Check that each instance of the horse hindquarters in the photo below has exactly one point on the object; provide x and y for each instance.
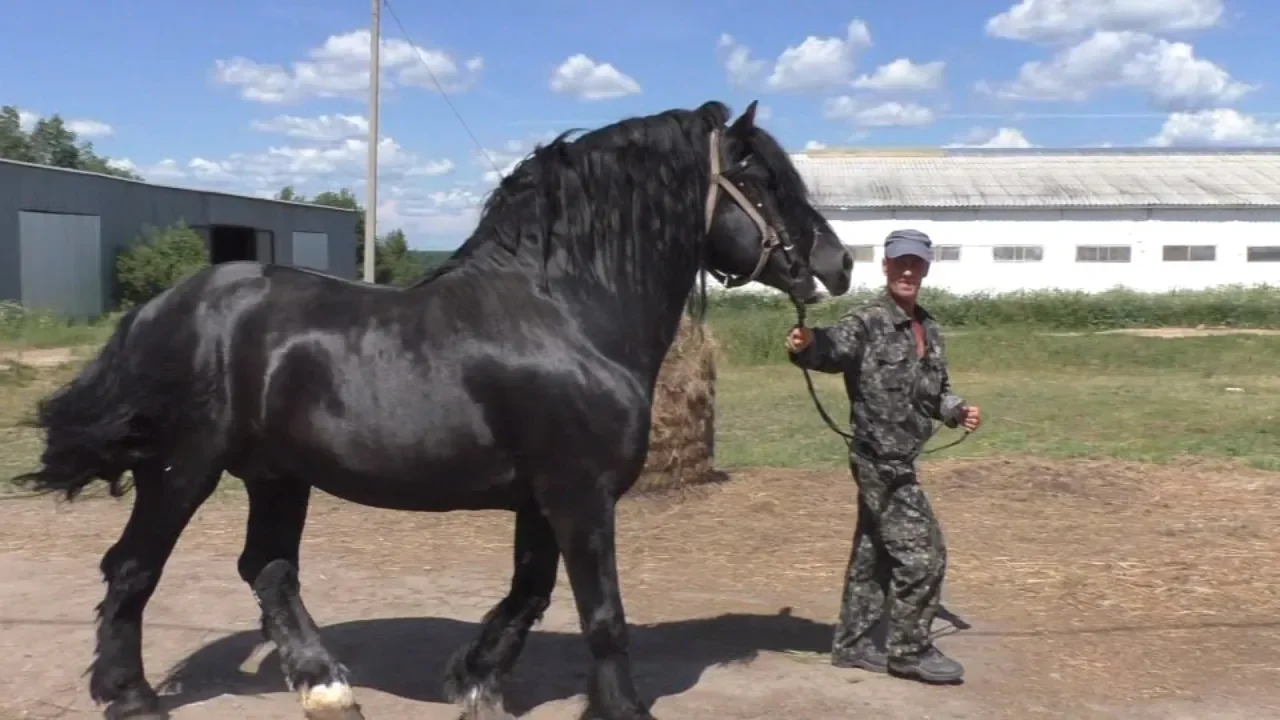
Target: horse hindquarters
(139, 406)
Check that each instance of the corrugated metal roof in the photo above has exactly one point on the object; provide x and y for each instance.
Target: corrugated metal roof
(1121, 178)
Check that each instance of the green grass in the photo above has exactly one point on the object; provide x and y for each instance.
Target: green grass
(748, 326)
(1111, 396)
(27, 329)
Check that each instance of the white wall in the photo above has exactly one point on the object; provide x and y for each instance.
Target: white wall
(1059, 232)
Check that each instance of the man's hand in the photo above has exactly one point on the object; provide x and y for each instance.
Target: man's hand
(972, 418)
(799, 338)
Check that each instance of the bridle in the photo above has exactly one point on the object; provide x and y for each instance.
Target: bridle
(770, 238)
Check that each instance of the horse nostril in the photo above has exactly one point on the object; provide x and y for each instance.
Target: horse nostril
(848, 262)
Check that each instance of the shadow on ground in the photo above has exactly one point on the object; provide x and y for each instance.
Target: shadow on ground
(405, 657)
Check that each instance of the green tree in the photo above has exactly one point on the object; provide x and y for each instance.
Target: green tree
(397, 264)
(288, 193)
(51, 143)
(14, 142)
(156, 261)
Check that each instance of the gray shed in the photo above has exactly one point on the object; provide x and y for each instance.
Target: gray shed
(60, 232)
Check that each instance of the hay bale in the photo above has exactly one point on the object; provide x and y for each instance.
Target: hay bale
(682, 440)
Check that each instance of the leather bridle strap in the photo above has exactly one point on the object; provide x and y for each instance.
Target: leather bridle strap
(770, 240)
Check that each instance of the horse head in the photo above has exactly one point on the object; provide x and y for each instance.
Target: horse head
(769, 232)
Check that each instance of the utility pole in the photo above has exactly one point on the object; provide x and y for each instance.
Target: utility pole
(371, 182)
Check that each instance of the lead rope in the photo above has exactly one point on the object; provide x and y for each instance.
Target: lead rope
(848, 438)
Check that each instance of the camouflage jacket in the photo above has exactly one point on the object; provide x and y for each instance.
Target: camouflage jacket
(893, 393)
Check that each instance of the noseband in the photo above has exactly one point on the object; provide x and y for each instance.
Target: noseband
(770, 239)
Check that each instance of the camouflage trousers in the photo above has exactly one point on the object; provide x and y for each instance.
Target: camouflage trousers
(897, 565)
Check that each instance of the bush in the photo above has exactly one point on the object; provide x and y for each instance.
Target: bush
(750, 327)
(157, 262)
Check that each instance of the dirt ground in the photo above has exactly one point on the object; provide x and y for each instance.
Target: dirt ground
(1092, 590)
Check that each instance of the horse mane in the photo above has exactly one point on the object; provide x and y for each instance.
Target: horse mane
(592, 203)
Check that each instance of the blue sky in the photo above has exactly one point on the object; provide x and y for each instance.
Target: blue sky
(251, 95)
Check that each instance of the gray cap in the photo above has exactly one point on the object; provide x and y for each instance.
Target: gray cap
(908, 242)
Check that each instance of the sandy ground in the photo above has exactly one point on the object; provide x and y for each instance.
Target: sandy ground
(1093, 590)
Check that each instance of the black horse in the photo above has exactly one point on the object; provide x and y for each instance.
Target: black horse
(517, 376)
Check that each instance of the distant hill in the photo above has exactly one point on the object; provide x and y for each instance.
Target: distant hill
(430, 258)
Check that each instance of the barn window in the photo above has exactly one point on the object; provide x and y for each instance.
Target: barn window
(1017, 253)
(1190, 253)
(1103, 253)
(1263, 253)
(946, 253)
(862, 253)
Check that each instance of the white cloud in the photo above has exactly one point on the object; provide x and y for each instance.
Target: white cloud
(816, 64)
(586, 79)
(820, 63)
(902, 74)
(1219, 126)
(738, 65)
(84, 129)
(506, 157)
(442, 216)
(319, 167)
(1053, 20)
(1169, 73)
(980, 137)
(90, 128)
(339, 68)
(814, 145)
(324, 128)
(888, 114)
(432, 168)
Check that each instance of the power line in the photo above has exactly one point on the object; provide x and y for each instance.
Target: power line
(440, 88)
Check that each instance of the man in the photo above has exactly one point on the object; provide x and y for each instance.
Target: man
(891, 354)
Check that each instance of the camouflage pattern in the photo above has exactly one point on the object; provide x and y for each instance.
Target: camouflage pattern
(893, 396)
(898, 563)
(899, 556)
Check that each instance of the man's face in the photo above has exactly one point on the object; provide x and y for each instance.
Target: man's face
(904, 274)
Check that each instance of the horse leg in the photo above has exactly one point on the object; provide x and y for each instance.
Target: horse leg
(585, 529)
(474, 672)
(269, 563)
(165, 499)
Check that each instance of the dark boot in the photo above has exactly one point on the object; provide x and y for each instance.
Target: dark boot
(865, 655)
(870, 660)
(929, 666)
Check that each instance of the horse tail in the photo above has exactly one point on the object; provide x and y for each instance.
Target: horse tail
(92, 424)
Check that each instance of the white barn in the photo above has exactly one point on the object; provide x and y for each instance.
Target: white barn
(1090, 219)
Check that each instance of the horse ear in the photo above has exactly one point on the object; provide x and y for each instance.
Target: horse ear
(748, 119)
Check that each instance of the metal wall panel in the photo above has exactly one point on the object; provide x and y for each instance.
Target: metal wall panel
(266, 246)
(311, 249)
(60, 257)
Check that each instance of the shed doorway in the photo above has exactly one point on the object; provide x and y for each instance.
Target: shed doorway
(230, 243)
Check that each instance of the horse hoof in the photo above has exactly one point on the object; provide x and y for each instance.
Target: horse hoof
(334, 701)
(481, 703)
(149, 710)
(143, 715)
(344, 713)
